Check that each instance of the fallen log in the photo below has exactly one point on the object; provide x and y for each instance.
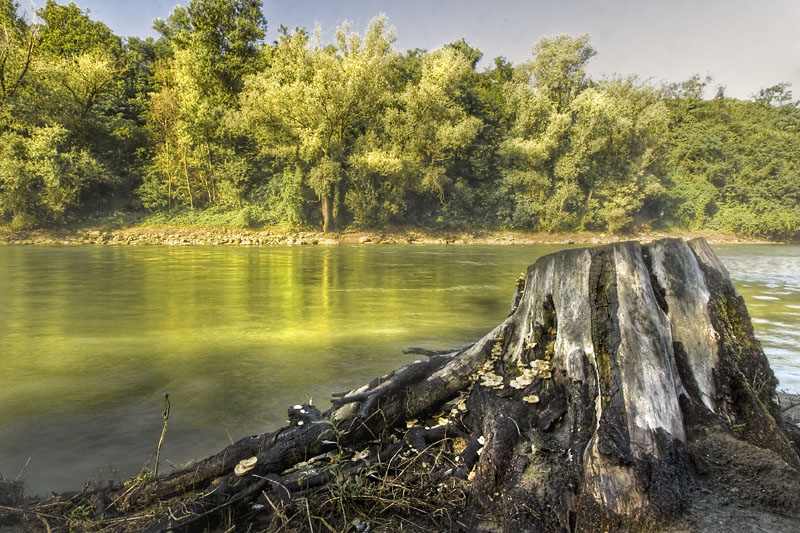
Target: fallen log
(626, 377)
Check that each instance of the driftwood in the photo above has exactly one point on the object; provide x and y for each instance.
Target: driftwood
(625, 377)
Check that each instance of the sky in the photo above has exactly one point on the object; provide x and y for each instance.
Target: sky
(745, 45)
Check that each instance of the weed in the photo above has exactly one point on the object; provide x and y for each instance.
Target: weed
(80, 518)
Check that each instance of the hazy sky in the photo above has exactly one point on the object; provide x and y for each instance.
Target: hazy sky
(744, 44)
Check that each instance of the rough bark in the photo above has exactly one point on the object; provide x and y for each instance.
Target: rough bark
(623, 378)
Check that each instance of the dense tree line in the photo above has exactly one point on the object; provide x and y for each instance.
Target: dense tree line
(353, 133)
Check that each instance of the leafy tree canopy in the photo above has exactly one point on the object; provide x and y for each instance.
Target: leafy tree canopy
(68, 32)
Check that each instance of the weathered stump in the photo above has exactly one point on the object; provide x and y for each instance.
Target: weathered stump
(624, 376)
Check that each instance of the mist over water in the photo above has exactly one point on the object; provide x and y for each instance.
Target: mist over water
(91, 338)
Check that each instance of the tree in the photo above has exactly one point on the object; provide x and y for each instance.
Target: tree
(580, 155)
(431, 126)
(212, 45)
(86, 78)
(17, 45)
(777, 95)
(313, 103)
(42, 178)
(81, 61)
(223, 35)
(615, 154)
(137, 79)
(52, 80)
(733, 165)
(69, 32)
(558, 67)
(537, 104)
(160, 184)
(353, 133)
(472, 55)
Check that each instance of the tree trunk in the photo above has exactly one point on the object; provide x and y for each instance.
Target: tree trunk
(327, 212)
(625, 377)
(186, 175)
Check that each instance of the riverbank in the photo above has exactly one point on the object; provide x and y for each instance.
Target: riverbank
(276, 236)
(738, 498)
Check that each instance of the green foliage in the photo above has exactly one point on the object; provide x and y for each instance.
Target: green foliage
(558, 67)
(69, 32)
(316, 106)
(581, 155)
(81, 518)
(777, 95)
(284, 198)
(223, 38)
(198, 160)
(42, 177)
(67, 116)
(17, 43)
(733, 166)
(211, 125)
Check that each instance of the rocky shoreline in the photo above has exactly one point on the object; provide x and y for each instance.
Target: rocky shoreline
(201, 236)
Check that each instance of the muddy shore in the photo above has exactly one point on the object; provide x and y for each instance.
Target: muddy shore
(194, 236)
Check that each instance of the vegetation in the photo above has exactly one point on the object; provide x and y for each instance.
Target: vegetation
(353, 133)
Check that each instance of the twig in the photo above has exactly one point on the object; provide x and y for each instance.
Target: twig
(308, 514)
(165, 415)
(247, 492)
(429, 353)
(515, 423)
(325, 523)
(23, 469)
(111, 521)
(278, 512)
(792, 405)
(133, 486)
(289, 520)
(46, 525)
(227, 432)
(25, 511)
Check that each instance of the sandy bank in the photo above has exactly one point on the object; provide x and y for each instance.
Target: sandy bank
(188, 236)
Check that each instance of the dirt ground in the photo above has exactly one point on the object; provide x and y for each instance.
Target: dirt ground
(743, 488)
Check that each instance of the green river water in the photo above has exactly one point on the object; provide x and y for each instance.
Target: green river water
(91, 338)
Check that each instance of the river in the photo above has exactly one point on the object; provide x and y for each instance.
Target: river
(91, 338)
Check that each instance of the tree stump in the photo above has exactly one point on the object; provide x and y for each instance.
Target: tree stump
(625, 376)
